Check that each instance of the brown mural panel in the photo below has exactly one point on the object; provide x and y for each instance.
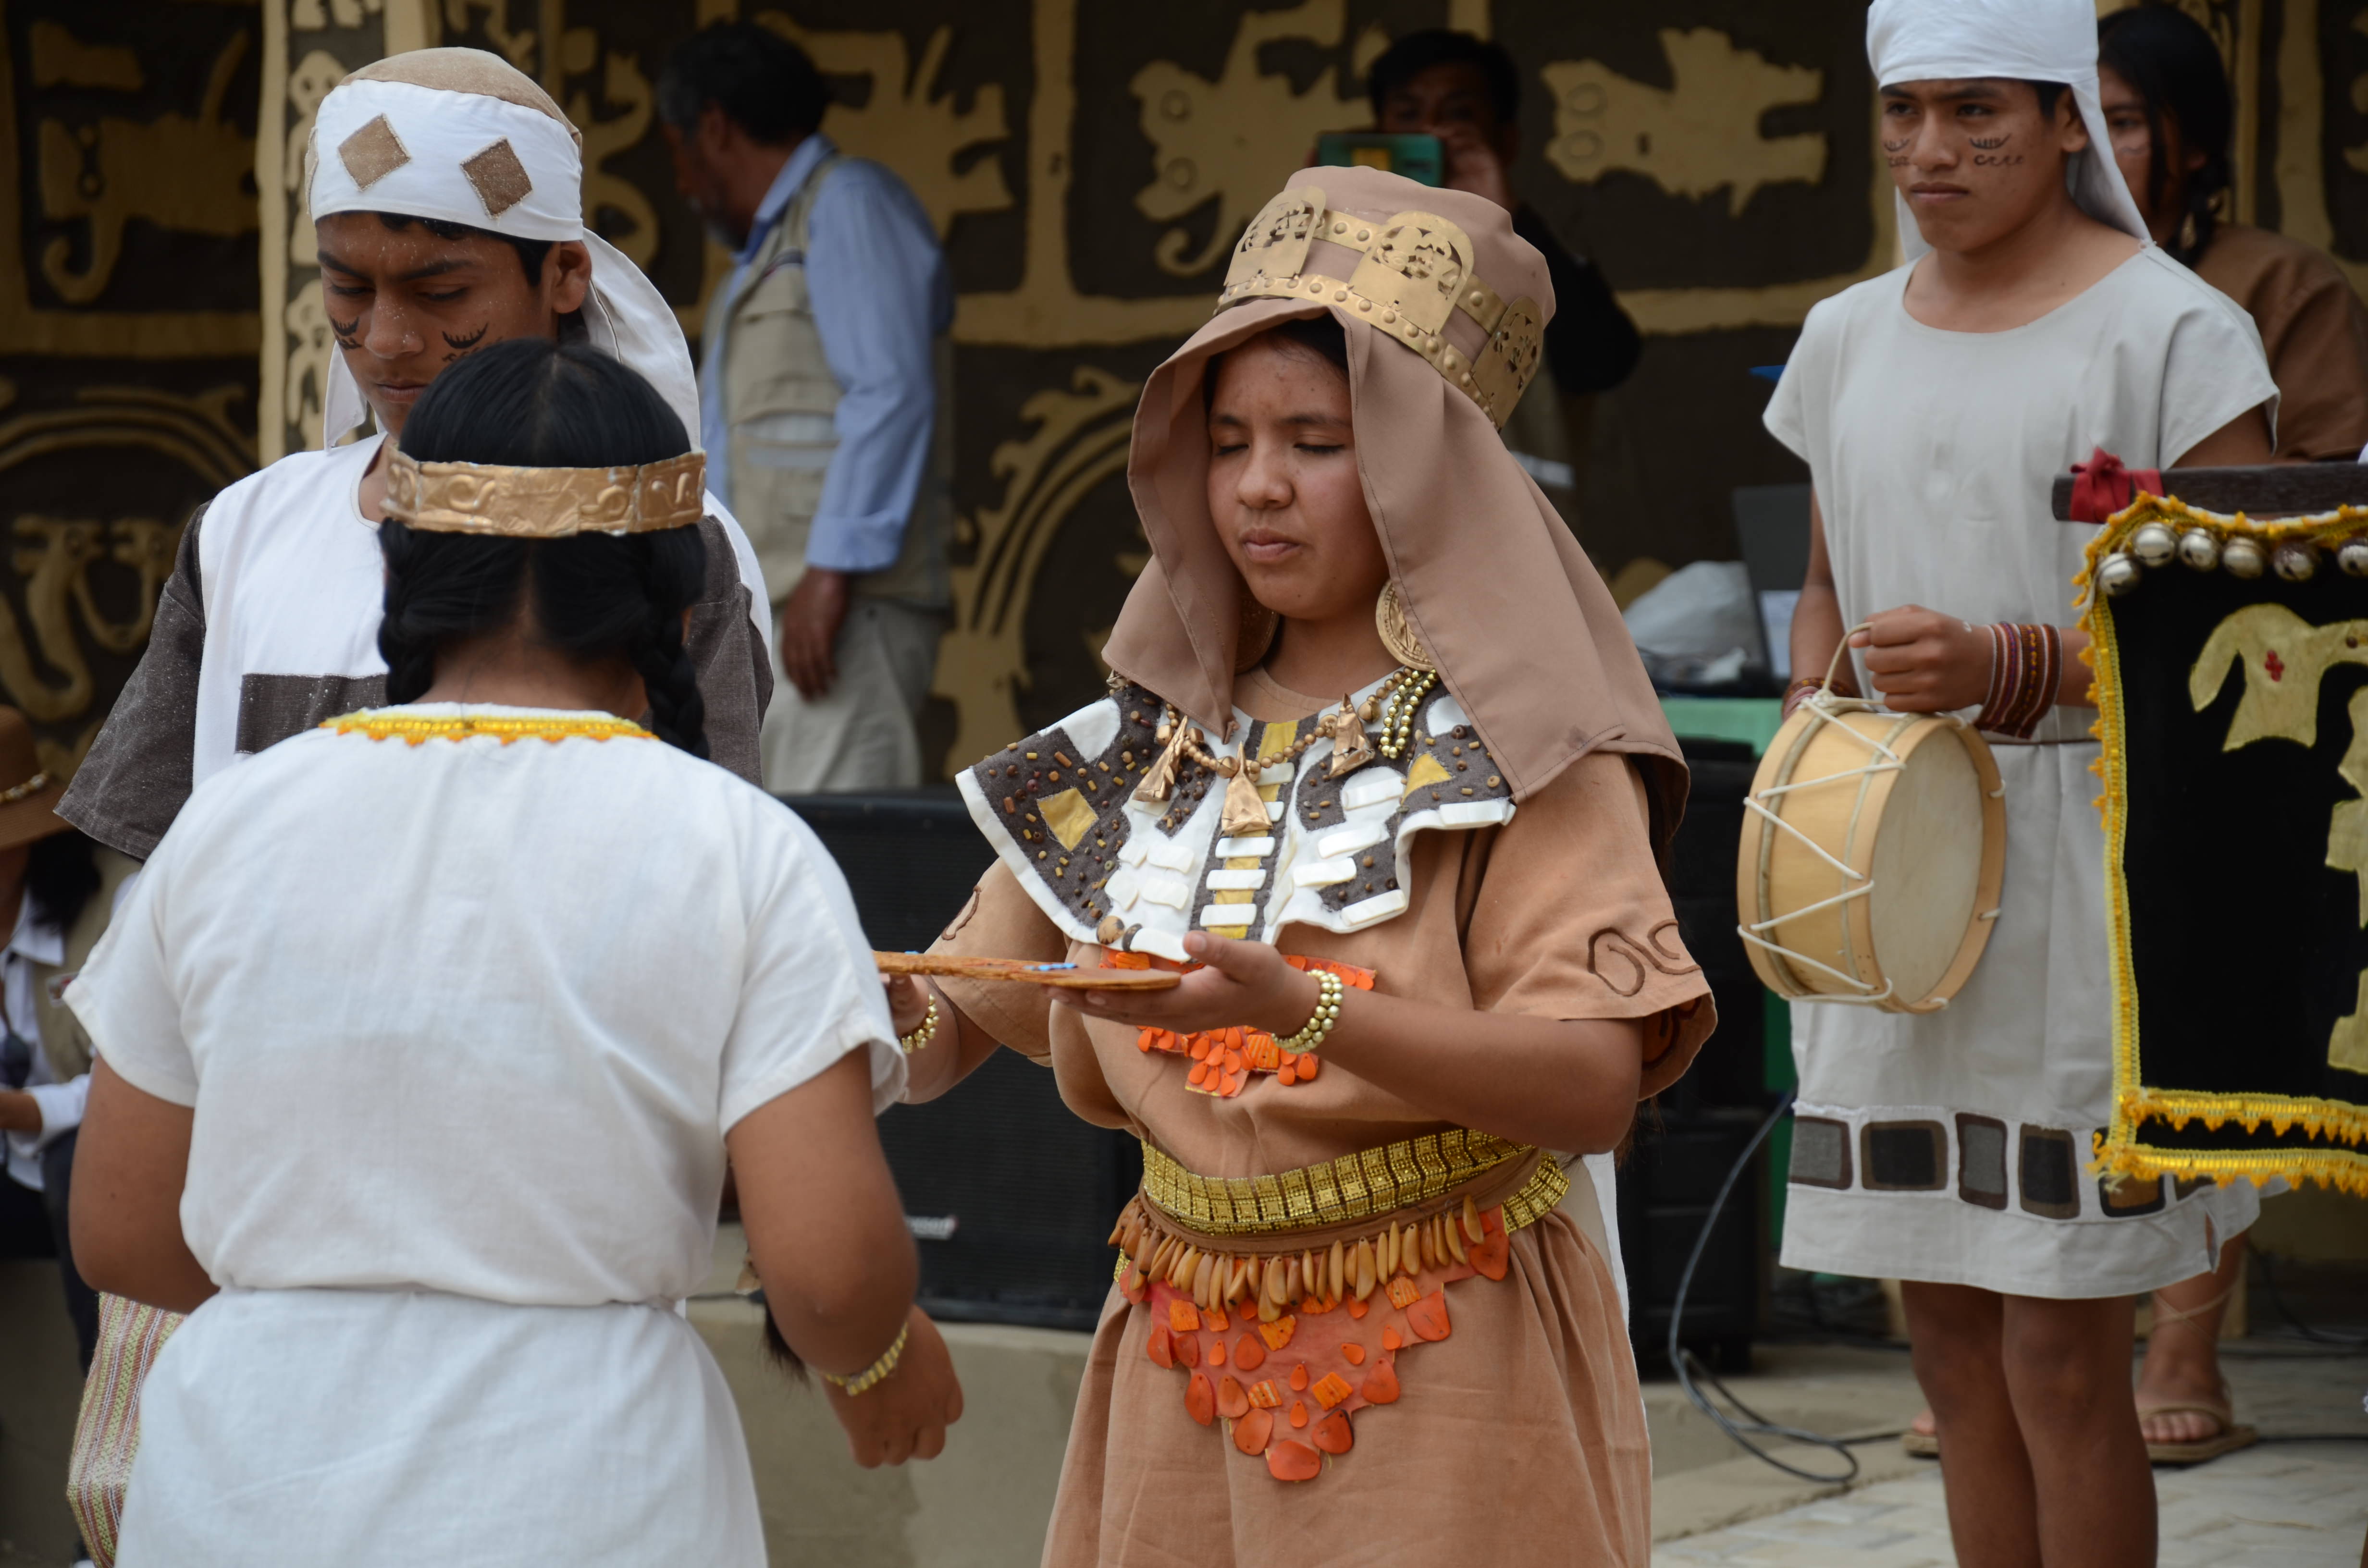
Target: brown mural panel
(1087, 166)
(127, 257)
(1721, 143)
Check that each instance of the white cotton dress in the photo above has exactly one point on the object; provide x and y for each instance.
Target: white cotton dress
(463, 1024)
(1954, 1147)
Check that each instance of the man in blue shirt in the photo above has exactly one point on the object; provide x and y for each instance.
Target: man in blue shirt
(823, 394)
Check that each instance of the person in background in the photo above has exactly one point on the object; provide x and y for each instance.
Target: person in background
(57, 889)
(2168, 107)
(1467, 92)
(824, 376)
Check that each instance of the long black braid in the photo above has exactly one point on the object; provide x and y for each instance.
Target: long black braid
(2171, 63)
(591, 597)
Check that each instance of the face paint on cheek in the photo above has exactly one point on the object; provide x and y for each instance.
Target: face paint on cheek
(1989, 144)
(347, 334)
(461, 345)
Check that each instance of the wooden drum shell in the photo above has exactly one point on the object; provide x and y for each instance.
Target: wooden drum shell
(1907, 831)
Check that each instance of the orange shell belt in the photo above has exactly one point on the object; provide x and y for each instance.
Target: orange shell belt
(1284, 1347)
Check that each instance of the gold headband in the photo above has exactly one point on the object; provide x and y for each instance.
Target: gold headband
(544, 502)
(1416, 273)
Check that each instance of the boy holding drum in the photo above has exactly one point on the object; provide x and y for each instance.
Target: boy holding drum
(2034, 323)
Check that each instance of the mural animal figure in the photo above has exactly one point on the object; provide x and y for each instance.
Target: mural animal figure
(177, 171)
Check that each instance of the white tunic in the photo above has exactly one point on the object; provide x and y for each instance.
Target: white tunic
(464, 1025)
(1954, 1147)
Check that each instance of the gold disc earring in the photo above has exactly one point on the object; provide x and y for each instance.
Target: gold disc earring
(1255, 633)
(1398, 635)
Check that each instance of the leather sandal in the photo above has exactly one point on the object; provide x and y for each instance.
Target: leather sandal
(2227, 1441)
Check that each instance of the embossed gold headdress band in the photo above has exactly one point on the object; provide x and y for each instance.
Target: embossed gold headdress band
(1412, 275)
(544, 502)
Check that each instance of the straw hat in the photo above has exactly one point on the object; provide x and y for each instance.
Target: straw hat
(28, 797)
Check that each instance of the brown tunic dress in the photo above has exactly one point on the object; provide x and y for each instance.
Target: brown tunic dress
(1519, 1436)
(2313, 329)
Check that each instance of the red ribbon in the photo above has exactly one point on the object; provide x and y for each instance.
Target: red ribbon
(2102, 487)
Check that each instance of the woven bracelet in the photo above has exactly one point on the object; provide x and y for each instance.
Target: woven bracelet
(2026, 666)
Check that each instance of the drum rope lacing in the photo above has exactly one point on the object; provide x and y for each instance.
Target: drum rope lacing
(1830, 707)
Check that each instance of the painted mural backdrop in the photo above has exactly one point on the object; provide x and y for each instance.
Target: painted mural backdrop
(1088, 163)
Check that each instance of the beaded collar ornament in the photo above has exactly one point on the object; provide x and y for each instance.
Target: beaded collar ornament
(394, 724)
(544, 502)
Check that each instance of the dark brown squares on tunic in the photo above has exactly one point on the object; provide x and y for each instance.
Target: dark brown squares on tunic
(2046, 1173)
(1821, 1151)
(1903, 1157)
(2129, 1196)
(1981, 1160)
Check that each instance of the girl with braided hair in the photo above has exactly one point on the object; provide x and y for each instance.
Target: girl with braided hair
(453, 599)
(423, 1038)
(2164, 89)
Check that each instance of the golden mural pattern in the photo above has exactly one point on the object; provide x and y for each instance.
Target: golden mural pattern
(1698, 136)
(1234, 139)
(1078, 439)
(175, 171)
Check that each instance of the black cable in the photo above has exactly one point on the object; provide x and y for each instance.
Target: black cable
(1682, 1361)
(2278, 1300)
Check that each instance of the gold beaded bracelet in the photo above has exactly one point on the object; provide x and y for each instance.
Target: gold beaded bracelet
(1328, 992)
(875, 1374)
(921, 1037)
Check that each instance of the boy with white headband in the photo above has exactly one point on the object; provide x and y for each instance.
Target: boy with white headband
(446, 188)
(2033, 323)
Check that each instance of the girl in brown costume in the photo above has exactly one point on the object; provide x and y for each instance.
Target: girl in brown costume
(1431, 959)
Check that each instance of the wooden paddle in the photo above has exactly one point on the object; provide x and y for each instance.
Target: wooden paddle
(1065, 977)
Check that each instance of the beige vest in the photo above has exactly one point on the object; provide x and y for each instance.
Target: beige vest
(63, 1040)
(778, 399)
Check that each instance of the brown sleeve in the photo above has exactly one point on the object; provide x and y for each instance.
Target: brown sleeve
(735, 677)
(1570, 918)
(1002, 922)
(138, 773)
(2316, 335)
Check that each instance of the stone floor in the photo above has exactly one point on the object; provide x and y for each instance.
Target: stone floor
(2281, 1504)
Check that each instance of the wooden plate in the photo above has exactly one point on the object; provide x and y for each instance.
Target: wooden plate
(1066, 977)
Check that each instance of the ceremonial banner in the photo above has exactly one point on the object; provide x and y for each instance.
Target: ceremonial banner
(2232, 679)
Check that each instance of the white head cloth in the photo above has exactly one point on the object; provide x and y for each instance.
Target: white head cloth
(423, 135)
(2032, 41)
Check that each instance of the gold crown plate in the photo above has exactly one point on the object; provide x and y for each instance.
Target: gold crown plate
(544, 502)
(1416, 272)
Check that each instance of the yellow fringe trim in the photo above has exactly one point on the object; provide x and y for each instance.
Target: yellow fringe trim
(2120, 1152)
(381, 724)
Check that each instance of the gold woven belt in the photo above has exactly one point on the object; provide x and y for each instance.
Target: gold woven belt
(1363, 1186)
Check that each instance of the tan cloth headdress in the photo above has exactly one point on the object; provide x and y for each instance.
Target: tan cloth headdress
(1522, 629)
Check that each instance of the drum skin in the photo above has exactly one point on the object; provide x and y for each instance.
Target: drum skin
(1926, 840)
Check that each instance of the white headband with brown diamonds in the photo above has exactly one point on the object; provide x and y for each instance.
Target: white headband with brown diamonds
(468, 158)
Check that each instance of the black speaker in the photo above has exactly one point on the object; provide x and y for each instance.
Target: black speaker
(1010, 1196)
(1672, 1173)
(1685, 1146)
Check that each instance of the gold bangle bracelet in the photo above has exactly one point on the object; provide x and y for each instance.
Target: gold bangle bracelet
(922, 1036)
(876, 1373)
(1328, 992)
